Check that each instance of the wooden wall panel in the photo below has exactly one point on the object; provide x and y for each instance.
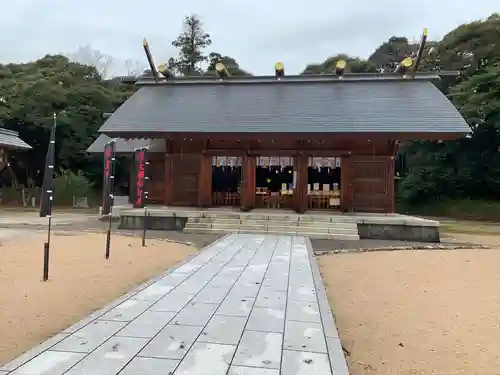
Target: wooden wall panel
(185, 179)
(156, 173)
(371, 190)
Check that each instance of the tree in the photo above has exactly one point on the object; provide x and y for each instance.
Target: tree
(133, 68)
(87, 55)
(353, 65)
(231, 65)
(390, 53)
(468, 168)
(190, 43)
(76, 92)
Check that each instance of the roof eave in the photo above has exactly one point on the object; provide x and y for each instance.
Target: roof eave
(188, 136)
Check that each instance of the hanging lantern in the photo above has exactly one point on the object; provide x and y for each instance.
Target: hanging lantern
(265, 162)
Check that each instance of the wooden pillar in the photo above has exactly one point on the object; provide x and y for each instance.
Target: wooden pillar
(391, 176)
(131, 179)
(248, 182)
(205, 181)
(300, 164)
(169, 184)
(345, 184)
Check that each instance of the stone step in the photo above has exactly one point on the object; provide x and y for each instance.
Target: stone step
(345, 229)
(291, 233)
(284, 219)
(263, 222)
(270, 222)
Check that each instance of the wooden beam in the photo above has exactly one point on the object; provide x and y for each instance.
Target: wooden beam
(420, 52)
(149, 57)
(343, 137)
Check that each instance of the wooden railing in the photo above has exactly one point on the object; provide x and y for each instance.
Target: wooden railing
(323, 201)
(226, 199)
(274, 200)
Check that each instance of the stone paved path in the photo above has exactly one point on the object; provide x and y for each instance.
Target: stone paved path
(245, 305)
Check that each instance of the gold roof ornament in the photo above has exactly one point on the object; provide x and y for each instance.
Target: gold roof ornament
(167, 73)
(340, 68)
(279, 69)
(404, 66)
(221, 70)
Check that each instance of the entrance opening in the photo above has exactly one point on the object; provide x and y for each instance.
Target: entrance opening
(226, 180)
(274, 182)
(323, 183)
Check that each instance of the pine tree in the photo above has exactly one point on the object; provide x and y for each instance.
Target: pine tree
(190, 43)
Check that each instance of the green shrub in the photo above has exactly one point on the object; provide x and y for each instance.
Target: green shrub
(68, 184)
(464, 209)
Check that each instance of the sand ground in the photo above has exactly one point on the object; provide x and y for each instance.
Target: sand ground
(418, 312)
(81, 280)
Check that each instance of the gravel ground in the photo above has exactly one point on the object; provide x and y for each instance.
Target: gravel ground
(417, 312)
(96, 226)
(325, 245)
(80, 280)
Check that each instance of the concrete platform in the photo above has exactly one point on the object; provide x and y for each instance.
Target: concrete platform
(245, 305)
(333, 225)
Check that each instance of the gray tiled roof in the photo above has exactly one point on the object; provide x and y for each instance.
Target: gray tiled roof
(10, 138)
(127, 145)
(300, 106)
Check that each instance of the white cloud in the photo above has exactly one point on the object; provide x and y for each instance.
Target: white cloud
(257, 34)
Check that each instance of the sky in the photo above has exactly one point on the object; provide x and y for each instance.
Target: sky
(256, 33)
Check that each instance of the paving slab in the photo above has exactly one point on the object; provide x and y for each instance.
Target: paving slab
(150, 366)
(266, 320)
(49, 363)
(259, 349)
(147, 325)
(173, 342)
(206, 359)
(242, 370)
(223, 330)
(110, 357)
(248, 304)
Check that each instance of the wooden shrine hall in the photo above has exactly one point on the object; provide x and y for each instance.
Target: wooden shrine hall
(9, 142)
(305, 142)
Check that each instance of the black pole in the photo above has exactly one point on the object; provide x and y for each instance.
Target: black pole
(46, 253)
(49, 230)
(108, 237)
(144, 227)
(45, 261)
(112, 198)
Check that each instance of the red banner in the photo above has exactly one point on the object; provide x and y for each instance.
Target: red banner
(139, 193)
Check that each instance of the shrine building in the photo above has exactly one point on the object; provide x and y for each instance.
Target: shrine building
(302, 142)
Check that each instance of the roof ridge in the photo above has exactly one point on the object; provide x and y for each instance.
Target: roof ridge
(305, 78)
